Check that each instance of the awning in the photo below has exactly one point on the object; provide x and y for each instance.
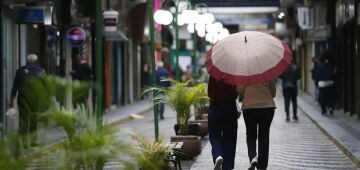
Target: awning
(115, 36)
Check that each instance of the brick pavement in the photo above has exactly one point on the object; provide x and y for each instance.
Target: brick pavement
(294, 145)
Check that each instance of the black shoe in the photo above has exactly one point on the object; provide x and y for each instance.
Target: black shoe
(331, 111)
(162, 118)
(295, 118)
(287, 119)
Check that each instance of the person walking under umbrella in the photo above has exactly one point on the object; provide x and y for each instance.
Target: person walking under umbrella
(251, 60)
(258, 109)
(223, 123)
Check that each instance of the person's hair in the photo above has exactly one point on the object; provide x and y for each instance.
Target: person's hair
(160, 64)
(32, 57)
(326, 55)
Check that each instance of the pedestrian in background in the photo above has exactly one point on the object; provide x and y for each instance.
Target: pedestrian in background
(82, 71)
(290, 89)
(324, 78)
(223, 123)
(27, 121)
(315, 61)
(258, 109)
(162, 73)
(187, 74)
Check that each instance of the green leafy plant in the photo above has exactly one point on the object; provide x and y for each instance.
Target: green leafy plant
(87, 147)
(180, 97)
(151, 154)
(10, 152)
(200, 104)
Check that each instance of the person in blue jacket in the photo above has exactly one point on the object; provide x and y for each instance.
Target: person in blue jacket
(162, 73)
(324, 80)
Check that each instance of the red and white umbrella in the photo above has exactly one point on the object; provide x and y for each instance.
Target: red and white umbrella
(248, 58)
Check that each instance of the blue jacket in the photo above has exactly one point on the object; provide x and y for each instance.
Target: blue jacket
(22, 75)
(162, 73)
(323, 71)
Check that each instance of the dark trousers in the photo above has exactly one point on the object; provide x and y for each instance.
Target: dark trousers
(290, 94)
(27, 126)
(223, 131)
(325, 98)
(257, 122)
(161, 110)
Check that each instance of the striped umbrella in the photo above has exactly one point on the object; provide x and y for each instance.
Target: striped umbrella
(248, 58)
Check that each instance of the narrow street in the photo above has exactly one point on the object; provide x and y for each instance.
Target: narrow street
(293, 145)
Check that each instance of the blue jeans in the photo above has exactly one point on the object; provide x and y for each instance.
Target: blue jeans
(223, 131)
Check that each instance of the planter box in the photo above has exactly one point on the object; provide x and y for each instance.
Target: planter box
(204, 127)
(205, 116)
(194, 129)
(191, 146)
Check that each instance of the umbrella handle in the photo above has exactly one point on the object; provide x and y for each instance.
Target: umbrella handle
(245, 39)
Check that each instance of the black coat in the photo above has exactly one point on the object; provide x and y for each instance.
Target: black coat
(83, 72)
(290, 77)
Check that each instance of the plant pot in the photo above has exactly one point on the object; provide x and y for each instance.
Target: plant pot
(204, 127)
(194, 129)
(191, 146)
(205, 117)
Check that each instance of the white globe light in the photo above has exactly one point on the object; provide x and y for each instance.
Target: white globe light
(223, 33)
(163, 17)
(208, 18)
(191, 16)
(190, 28)
(181, 19)
(210, 28)
(208, 37)
(218, 26)
(200, 27)
(201, 33)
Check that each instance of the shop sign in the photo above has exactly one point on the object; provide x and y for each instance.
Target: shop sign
(35, 15)
(305, 17)
(76, 36)
(110, 21)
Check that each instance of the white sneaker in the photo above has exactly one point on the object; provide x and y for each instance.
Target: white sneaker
(218, 163)
(254, 163)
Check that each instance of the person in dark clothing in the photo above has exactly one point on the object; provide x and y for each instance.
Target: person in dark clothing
(162, 73)
(174, 73)
(290, 90)
(27, 121)
(324, 79)
(83, 70)
(223, 123)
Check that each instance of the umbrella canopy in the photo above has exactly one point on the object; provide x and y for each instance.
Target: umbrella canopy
(248, 58)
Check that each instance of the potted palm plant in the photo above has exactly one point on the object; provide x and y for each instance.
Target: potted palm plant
(180, 97)
(201, 108)
(151, 154)
(89, 144)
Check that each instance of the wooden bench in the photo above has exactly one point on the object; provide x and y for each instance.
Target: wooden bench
(176, 149)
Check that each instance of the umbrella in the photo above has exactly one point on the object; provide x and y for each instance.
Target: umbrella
(248, 58)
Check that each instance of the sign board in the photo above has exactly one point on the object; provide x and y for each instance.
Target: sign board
(35, 15)
(305, 17)
(76, 36)
(110, 20)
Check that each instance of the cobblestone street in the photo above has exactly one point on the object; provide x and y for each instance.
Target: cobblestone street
(293, 145)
